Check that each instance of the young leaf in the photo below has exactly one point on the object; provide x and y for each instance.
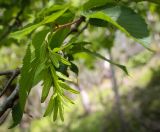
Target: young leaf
(62, 76)
(54, 16)
(62, 59)
(65, 61)
(51, 18)
(54, 60)
(71, 45)
(56, 104)
(53, 73)
(61, 111)
(51, 9)
(68, 99)
(67, 87)
(50, 105)
(21, 33)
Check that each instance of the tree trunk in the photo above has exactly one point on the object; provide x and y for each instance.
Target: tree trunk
(117, 97)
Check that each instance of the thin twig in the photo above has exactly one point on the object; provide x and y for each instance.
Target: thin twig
(74, 28)
(76, 22)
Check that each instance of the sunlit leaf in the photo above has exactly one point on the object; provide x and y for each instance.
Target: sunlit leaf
(56, 104)
(61, 59)
(58, 37)
(50, 105)
(68, 88)
(61, 109)
(54, 60)
(26, 31)
(62, 76)
(68, 99)
(125, 19)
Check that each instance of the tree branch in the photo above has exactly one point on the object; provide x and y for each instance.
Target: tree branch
(9, 72)
(15, 73)
(9, 102)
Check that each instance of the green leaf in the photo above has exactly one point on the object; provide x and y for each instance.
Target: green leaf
(44, 55)
(46, 11)
(56, 104)
(61, 111)
(65, 61)
(39, 73)
(54, 16)
(54, 60)
(17, 114)
(72, 46)
(50, 105)
(51, 18)
(62, 76)
(40, 53)
(98, 22)
(20, 34)
(95, 3)
(24, 82)
(74, 68)
(38, 40)
(58, 37)
(36, 67)
(53, 72)
(124, 19)
(67, 87)
(61, 59)
(68, 99)
(47, 83)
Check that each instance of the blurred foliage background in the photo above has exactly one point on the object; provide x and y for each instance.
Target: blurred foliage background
(95, 109)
